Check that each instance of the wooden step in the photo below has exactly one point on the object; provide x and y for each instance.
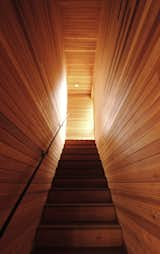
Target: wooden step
(80, 183)
(76, 173)
(79, 196)
(80, 169)
(79, 177)
(79, 142)
(94, 235)
(78, 213)
(99, 250)
(77, 156)
(80, 164)
(79, 146)
(80, 150)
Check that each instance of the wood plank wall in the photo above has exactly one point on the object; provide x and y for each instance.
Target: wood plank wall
(127, 116)
(32, 105)
(80, 23)
(80, 117)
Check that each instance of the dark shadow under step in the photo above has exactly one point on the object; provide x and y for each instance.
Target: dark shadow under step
(77, 164)
(80, 142)
(79, 250)
(79, 150)
(78, 156)
(79, 196)
(79, 173)
(78, 235)
(80, 183)
(78, 213)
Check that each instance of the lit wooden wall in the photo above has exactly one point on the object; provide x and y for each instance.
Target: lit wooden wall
(32, 105)
(80, 117)
(80, 23)
(127, 116)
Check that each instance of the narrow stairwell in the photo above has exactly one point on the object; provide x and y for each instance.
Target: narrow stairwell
(79, 216)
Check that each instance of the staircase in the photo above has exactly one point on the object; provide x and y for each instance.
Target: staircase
(79, 216)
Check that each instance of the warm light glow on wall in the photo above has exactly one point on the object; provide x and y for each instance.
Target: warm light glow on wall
(63, 95)
(61, 92)
(80, 122)
(76, 85)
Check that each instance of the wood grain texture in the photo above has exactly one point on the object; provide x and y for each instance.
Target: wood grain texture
(80, 120)
(80, 19)
(80, 25)
(32, 105)
(127, 116)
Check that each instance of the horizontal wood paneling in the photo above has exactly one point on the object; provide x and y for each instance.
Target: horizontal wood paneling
(32, 105)
(80, 23)
(80, 119)
(127, 116)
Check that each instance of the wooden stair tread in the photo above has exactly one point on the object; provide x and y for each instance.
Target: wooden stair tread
(82, 161)
(80, 150)
(79, 189)
(79, 235)
(81, 214)
(88, 180)
(77, 226)
(79, 196)
(58, 190)
(79, 177)
(72, 141)
(84, 152)
(100, 250)
(80, 146)
(80, 183)
(82, 157)
(87, 162)
(82, 165)
(79, 204)
(91, 169)
(73, 174)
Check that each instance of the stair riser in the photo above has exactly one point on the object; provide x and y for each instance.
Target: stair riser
(80, 142)
(80, 146)
(82, 157)
(80, 151)
(53, 215)
(80, 183)
(74, 173)
(81, 170)
(80, 164)
(79, 237)
(102, 250)
(81, 177)
(79, 196)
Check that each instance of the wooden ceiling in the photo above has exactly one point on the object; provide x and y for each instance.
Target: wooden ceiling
(80, 21)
